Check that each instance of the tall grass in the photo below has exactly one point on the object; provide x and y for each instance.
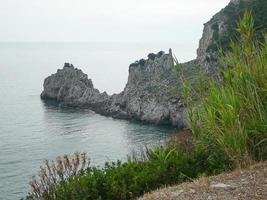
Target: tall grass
(231, 116)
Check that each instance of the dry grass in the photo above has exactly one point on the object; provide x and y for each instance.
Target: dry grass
(184, 138)
(246, 184)
(53, 173)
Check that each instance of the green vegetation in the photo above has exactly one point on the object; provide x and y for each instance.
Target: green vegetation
(118, 181)
(151, 56)
(229, 125)
(232, 115)
(233, 12)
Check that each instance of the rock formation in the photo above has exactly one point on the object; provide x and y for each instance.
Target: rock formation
(150, 95)
(220, 30)
(205, 57)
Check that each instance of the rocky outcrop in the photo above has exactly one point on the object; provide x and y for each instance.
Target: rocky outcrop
(206, 57)
(218, 32)
(71, 86)
(150, 95)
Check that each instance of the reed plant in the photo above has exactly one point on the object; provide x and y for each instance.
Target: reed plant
(231, 115)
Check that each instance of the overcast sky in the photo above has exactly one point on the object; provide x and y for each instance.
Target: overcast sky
(163, 21)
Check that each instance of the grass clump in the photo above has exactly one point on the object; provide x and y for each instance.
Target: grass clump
(232, 115)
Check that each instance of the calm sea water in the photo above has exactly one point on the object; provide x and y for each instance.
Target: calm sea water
(31, 130)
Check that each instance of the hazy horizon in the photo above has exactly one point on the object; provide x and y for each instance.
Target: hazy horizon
(176, 22)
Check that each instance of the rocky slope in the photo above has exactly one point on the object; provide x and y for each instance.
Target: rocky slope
(150, 95)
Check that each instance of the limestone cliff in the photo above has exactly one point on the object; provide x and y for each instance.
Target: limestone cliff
(221, 29)
(150, 95)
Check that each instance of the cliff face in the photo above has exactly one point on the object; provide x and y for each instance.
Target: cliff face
(221, 29)
(150, 95)
(207, 57)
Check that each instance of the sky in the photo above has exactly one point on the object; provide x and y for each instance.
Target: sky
(151, 21)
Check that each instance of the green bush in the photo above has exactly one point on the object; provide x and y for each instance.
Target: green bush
(159, 167)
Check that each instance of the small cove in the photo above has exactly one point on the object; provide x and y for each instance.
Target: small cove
(32, 130)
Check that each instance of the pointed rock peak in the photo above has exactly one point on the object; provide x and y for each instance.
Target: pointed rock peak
(170, 51)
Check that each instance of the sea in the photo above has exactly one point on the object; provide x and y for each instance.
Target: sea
(32, 130)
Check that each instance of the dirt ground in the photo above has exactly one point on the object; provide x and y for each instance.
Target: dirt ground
(245, 184)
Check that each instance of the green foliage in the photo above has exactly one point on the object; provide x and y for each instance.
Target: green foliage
(232, 13)
(120, 181)
(231, 116)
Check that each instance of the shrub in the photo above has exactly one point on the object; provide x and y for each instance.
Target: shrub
(151, 56)
(158, 167)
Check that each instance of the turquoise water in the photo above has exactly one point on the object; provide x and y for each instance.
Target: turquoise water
(32, 130)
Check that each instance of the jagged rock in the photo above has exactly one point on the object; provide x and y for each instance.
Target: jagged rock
(71, 86)
(150, 95)
(220, 30)
(206, 58)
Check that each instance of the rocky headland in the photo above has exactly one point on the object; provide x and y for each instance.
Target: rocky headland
(151, 94)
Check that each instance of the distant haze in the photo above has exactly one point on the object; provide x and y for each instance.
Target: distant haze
(178, 22)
